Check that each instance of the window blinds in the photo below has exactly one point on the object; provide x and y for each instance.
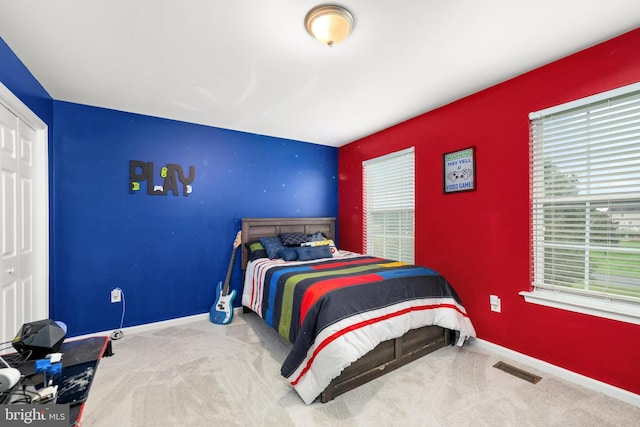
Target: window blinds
(389, 187)
(585, 191)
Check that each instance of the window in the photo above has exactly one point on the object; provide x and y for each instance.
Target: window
(585, 192)
(389, 188)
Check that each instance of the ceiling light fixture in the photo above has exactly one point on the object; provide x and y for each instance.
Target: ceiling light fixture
(330, 24)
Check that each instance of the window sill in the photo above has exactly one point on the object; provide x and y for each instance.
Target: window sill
(624, 312)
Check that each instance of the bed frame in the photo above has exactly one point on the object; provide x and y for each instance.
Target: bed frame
(388, 355)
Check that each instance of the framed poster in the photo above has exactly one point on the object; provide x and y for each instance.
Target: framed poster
(459, 169)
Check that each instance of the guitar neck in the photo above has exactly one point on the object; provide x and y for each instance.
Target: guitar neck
(236, 244)
(225, 289)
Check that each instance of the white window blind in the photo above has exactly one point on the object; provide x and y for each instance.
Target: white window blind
(389, 206)
(585, 178)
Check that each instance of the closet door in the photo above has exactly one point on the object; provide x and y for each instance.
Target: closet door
(21, 299)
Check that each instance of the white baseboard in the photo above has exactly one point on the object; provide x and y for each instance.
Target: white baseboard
(565, 374)
(153, 326)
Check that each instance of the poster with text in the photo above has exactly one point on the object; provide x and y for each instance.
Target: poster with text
(460, 170)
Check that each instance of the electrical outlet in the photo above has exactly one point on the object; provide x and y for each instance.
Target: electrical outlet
(494, 301)
(115, 295)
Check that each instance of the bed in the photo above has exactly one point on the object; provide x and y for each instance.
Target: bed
(349, 317)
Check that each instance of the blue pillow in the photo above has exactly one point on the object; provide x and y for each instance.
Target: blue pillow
(272, 245)
(318, 236)
(306, 253)
(288, 254)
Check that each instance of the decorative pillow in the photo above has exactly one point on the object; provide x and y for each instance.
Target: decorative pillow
(293, 239)
(256, 250)
(272, 245)
(288, 254)
(306, 253)
(330, 243)
(317, 236)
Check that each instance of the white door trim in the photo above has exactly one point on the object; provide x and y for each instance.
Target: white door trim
(41, 199)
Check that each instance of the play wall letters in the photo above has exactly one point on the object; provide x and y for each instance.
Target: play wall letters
(171, 175)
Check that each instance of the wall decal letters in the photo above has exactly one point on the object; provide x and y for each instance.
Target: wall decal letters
(171, 174)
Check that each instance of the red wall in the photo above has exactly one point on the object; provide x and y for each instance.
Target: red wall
(480, 240)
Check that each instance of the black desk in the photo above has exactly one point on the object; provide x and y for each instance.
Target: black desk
(80, 360)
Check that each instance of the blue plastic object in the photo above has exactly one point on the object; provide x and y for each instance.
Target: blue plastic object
(42, 365)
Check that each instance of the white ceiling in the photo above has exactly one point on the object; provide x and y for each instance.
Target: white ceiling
(250, 65)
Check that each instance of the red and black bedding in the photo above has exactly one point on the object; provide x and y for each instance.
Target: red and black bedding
(335, 310)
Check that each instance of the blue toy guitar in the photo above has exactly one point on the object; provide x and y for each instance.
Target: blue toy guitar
(222, 310)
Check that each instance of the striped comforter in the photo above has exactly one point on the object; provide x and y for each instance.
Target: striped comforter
(336, 310)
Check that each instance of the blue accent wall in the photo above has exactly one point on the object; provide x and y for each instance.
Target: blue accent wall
(166, 252)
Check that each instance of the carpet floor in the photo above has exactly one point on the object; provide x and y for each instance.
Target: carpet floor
(202, 374)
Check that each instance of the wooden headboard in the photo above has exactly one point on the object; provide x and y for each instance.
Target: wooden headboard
(254, 228)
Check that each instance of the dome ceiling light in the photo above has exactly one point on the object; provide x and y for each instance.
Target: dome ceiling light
(329, 24)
